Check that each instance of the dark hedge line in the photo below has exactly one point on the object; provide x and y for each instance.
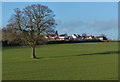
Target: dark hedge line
(5, 43)
(74, 41)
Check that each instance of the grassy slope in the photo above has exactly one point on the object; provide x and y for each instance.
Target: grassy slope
(79, 61)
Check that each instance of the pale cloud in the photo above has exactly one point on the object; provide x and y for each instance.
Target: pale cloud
(103, 25)
(72, 26)
(96, 26)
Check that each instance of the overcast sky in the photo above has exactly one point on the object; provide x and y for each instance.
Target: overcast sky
(92, 18)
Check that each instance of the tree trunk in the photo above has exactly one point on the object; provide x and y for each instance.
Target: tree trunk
(33, 53)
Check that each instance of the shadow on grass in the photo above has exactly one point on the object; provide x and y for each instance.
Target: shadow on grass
(101, 53)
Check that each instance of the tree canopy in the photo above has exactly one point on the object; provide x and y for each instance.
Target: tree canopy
(32, 24)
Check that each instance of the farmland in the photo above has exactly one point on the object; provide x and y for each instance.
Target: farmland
(76, 61)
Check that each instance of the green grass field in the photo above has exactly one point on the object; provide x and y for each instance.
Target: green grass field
(78, 61)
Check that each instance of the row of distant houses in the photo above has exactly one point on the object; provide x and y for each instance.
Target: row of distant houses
(73, 37)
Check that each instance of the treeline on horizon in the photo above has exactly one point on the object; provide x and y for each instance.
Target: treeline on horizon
(11, 38)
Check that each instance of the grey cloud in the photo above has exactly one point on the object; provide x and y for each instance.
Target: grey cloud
(95, 25)
(103, 25)
(70, 26)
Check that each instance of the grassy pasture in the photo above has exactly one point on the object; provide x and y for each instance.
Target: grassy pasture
(77, 61)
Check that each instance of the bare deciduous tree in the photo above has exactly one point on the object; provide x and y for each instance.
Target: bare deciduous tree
(9, 34)
(33, 22)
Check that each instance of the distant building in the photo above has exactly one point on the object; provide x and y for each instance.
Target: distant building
(56, 36)
(51, 36)
(73, 36)
(101, 38)
(84, 37)
(76, 36)
(79, 37)
(62, 37)
(90, 37)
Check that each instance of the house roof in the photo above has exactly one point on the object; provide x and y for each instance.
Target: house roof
(63, 35)
(100, 37)
(52, 35)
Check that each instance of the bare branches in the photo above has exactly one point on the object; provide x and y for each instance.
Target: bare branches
(33, 22)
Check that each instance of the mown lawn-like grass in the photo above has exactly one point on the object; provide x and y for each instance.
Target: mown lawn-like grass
(78, 61)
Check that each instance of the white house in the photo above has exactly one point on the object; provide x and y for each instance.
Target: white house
(101, 38)
(76, 36)
(51, 36)
(62, 37)
(90, 37)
